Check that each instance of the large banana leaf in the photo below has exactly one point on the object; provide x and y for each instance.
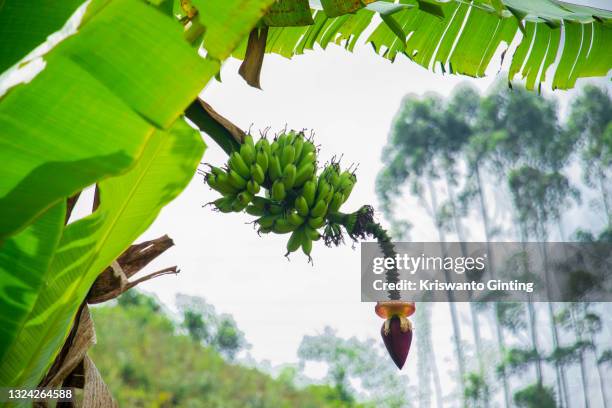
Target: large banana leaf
(466, 37)
(26, 24)
(87, 115)
(128, 205)
(24, 260)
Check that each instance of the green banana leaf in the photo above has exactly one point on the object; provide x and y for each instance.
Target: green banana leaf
(26, 24)
(88, 114)
(128, 205)
(462, 37)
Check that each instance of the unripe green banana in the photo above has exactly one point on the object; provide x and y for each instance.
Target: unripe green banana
(236, 162)
(319, 209)
(301, 206)
(264, 230)
(347, 191)
(283, 226)
(295, 219)
(236, 181)
(334, 180)
(336, 202)
(274, 147)
(264, 146)
(244, 198)
(289, 174)
(253, 187)
(254, 210)
(262, 160)
(316, 222)
(308, 192)
(238, 204)
(308, 147)
(247, 151)
(306, 245)
(287, 156)
(322, 189)
(274, 171)
(223, 182)
(304, 174)
(260, 202)
(257, 173)
(311, 233)
(298, 144)
(267, 221)
(224, 204)
(309, 158)
(289, 138)
(278, 191)
(275, 209)
(295, 241)
(248, 139)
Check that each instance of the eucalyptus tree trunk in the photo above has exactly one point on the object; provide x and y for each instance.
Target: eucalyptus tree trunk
(604, 196)
(560, 372)
(531, 312)
(498, 329)
(427, 366)
(473, 311)
(451, 298)
(602, 385)
(583, 373)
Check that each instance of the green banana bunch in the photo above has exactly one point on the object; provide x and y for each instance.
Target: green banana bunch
(296, 201)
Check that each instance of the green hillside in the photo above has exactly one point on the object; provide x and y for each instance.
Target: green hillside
(147, 362)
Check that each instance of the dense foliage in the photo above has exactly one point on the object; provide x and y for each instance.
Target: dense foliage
(147, 360)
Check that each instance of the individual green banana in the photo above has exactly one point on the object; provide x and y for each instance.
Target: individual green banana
(254, 210)
(264, 146)
(322, 189)
(289, 174)
(244, 198)
(301, 206)
(262, 160)
(238, 204)
(224, 204)
(308, 192)
(304, 174)
(298, 144)
(316, 222)
(275, 209)
(236, 181)
(248, 139)
(311, 233)
(295, 241)
(267, 221)
(287, 155)
(274, 171)
(295, 219)
(309, 158)
(253, 187)
(278, 191)
(306, 245)
(257, 173)
(283, 226)
(222, 180)
(308, 147)
(336, 202)
(237, 163)
(260, 202)
(247, 151)
(319, 209)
